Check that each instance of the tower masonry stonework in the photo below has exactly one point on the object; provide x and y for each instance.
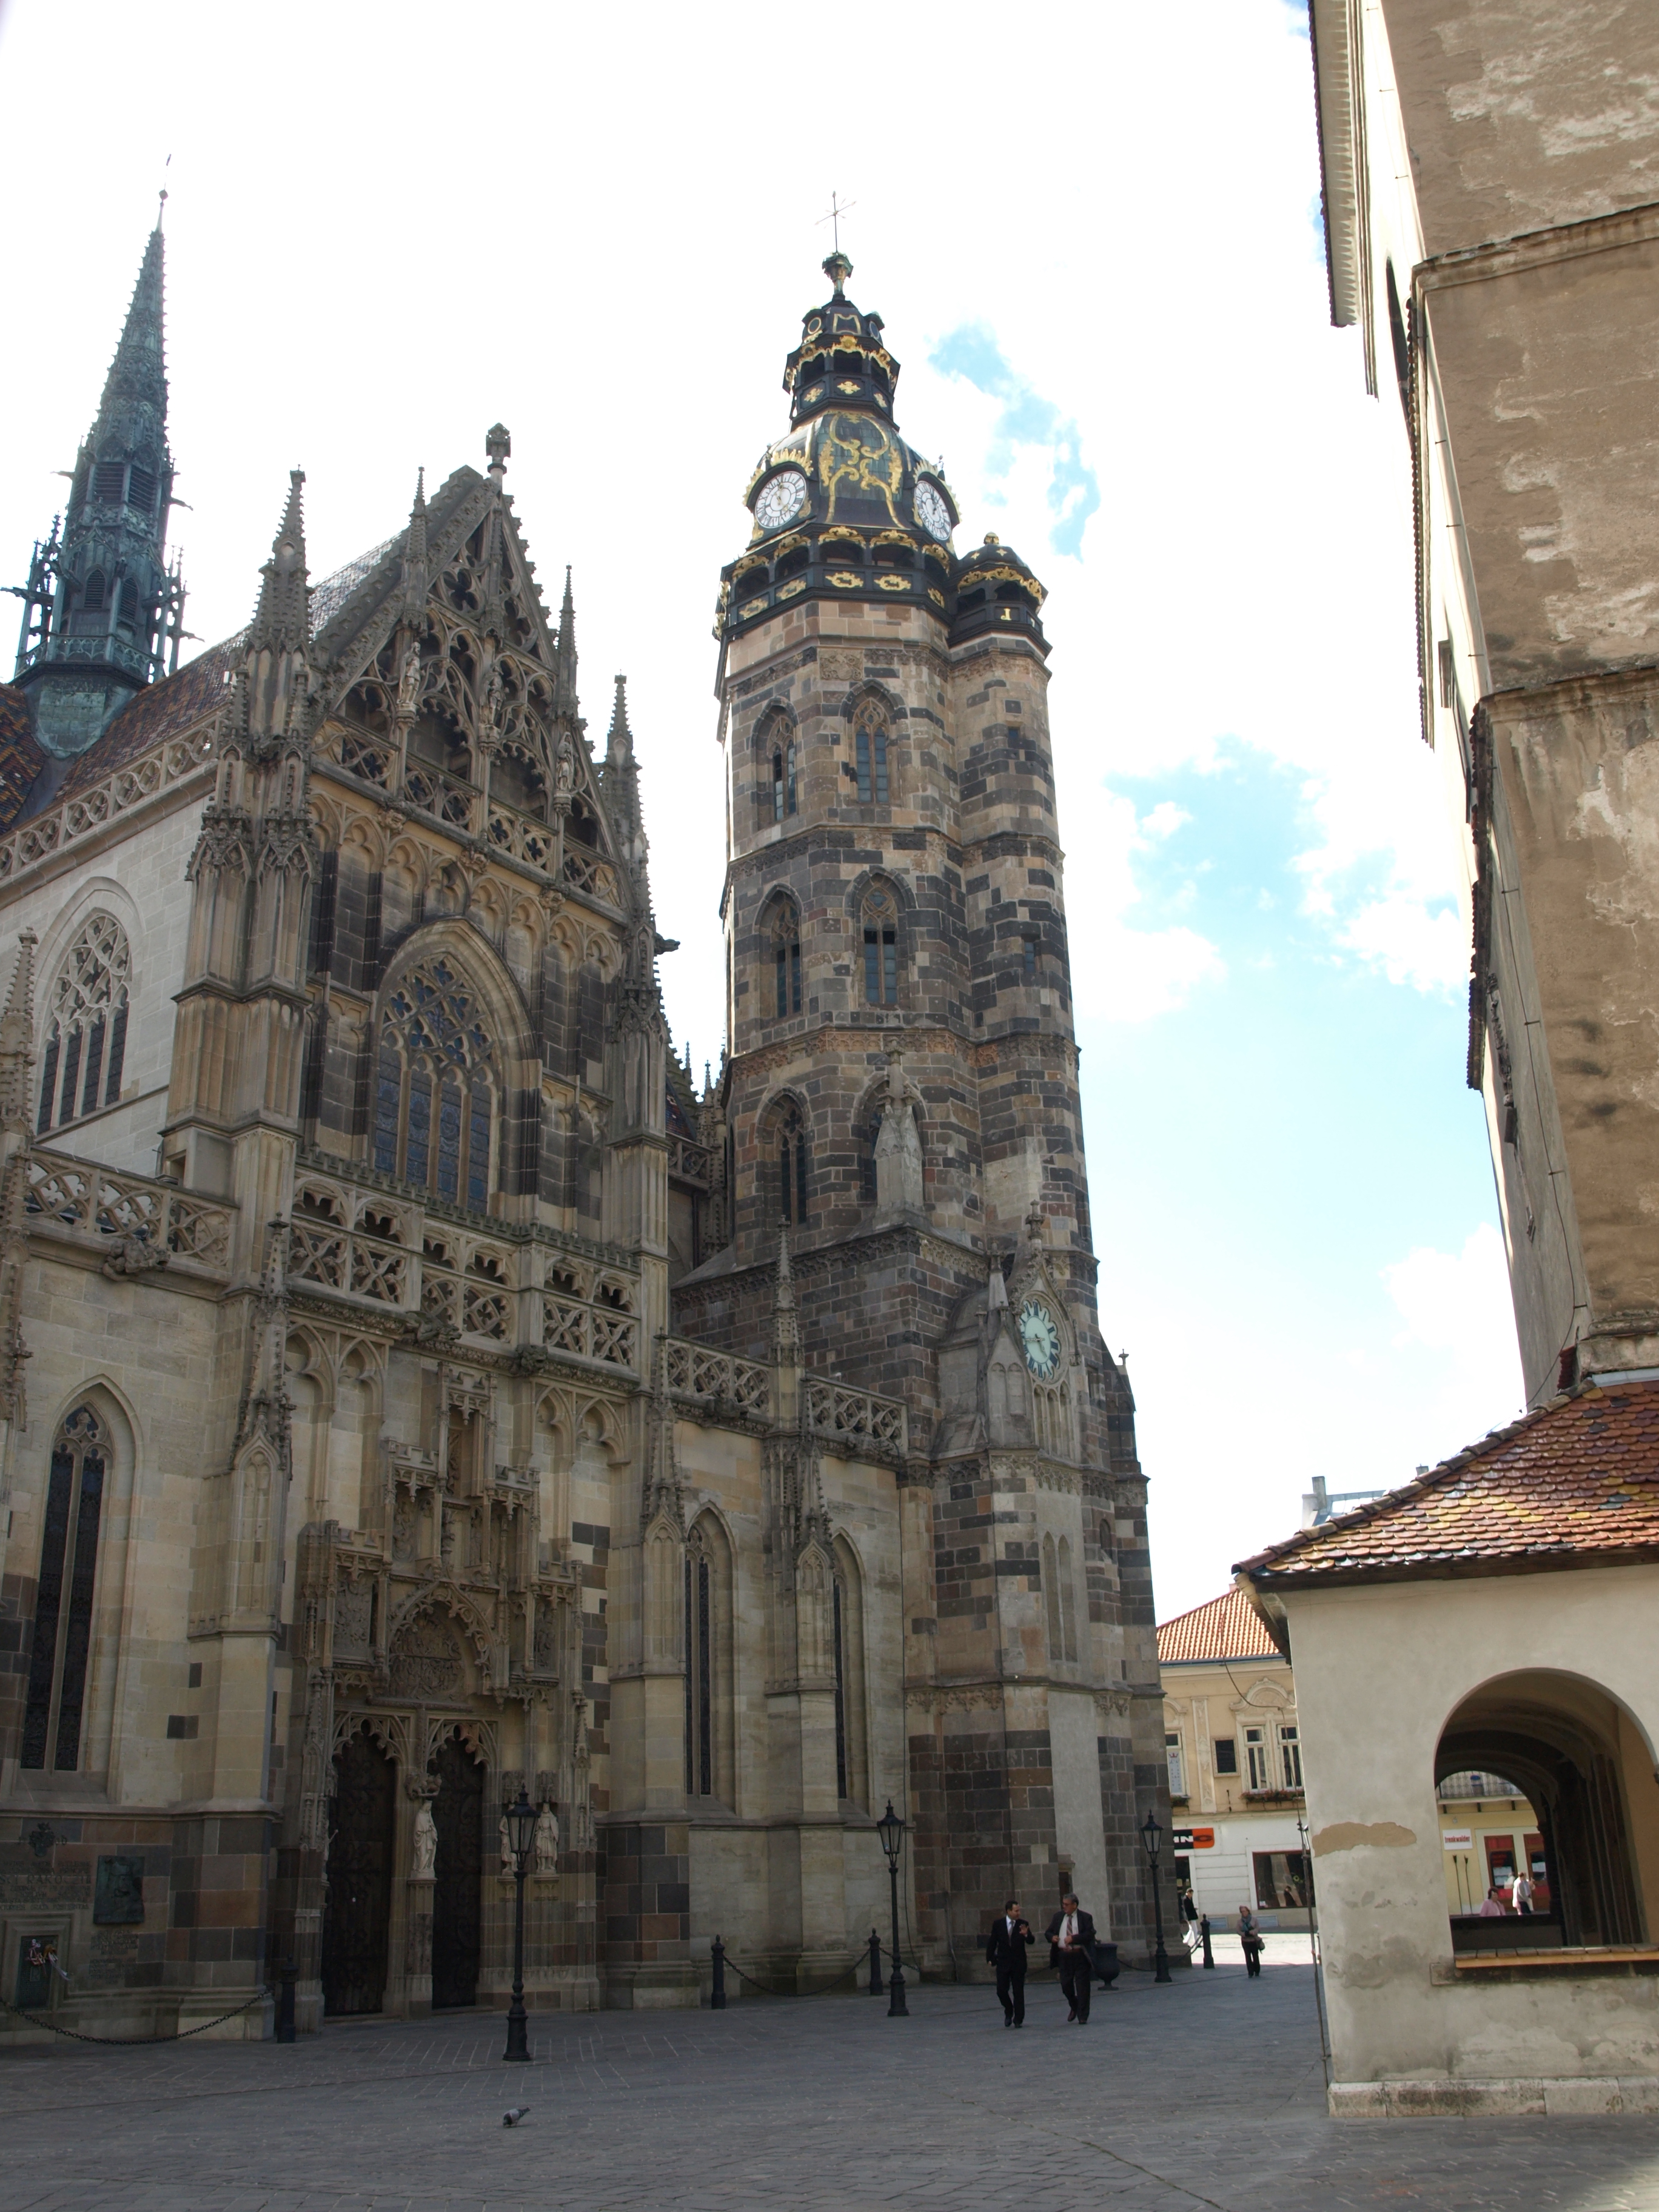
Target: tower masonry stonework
(412, 1390)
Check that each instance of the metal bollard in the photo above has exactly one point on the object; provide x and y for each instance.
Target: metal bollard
(717, 1992)
(286, 1978)
(1203, 1930)
(875, 1965)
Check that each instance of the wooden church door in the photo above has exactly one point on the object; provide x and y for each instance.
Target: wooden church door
(457, 1812)
(359, 1904)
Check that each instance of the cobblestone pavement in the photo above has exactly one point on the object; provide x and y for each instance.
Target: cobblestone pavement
(1207, 2094)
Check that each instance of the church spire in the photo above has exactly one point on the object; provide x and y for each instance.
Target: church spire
(415, 578)
(102, 602)
(282, 621)
(567, 670)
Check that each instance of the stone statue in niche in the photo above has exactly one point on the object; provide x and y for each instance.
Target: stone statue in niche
(547, 1841)
(508, 1864)
(898, 1142)
(426, 1843)
(402, 1526)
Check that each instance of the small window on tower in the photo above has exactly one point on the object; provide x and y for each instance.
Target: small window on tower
(92, 599)
(109, 481)
(141, 489)
(880, 948)
(1029, 955)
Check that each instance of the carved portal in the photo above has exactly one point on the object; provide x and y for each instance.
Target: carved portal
(426, 1659)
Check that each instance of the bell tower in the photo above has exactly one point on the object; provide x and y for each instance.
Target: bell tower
(900, 1100)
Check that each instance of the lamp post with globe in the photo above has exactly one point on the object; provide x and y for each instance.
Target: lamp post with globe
(890, 1829)
(521, 1835)
(1152, 1836)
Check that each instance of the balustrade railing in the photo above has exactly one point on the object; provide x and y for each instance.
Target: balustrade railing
(694, 1372)
(91, 1201)
(88, 811)
(589, 873)
(854, 1416)
(522, 836)
(344, 1260)
(590, 1332)
(444, 796)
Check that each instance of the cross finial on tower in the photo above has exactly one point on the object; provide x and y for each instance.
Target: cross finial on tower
(837, 208)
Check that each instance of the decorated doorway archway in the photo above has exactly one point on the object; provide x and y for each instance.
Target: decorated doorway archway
(457, 1811)
(358, 1912)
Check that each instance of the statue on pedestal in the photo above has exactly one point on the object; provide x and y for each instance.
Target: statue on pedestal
(426, 1843)
(547, 1842)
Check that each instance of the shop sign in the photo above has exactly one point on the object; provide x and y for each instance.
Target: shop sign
(1194, 1840)
(1457, 1839)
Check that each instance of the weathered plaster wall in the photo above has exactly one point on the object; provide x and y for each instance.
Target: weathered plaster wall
(1373, 1719)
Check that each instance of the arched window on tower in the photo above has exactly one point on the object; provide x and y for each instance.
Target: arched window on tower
(126, 609)
(846, 1651)
(784, 1150)
(62, 1642)
(869, 753)
(783, 778)
(87, 1037)
(437, 1088)
(880, 914)
(785, 958)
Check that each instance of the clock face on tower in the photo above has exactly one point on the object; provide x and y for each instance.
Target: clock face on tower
(1040, 1338)
(781, 498)
(932, 513)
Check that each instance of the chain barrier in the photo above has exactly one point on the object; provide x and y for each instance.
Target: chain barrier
(860, 1967)
(178, 2035)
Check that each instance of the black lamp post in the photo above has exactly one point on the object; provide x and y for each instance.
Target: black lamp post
(890, 1829)
(521, 1835)
(1152, 1836)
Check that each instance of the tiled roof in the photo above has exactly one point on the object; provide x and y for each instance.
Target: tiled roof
(1228, 1627)
(1574, 1485)
(20, 759)
(180, 701)
(161, 710)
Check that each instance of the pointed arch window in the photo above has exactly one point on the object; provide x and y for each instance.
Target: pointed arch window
(880, 947)
(86, 1039)
(847, 1649)
(869, 753)
(437, 1088)
(790, 1165)
(783, 778)
(707, 1594)
(786, 959)
(61, 1641)
(92, 599)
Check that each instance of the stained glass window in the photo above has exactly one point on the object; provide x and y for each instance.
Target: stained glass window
(86, 1035)
(62, 1640)
(432, 1033)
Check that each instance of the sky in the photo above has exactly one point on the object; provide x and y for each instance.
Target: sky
(1100, 261)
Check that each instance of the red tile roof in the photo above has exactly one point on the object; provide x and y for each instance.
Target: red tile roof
(1228, 1627)
(1575, 1484)
(20, 758)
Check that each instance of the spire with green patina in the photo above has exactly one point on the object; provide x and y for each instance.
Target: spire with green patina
(104, 607)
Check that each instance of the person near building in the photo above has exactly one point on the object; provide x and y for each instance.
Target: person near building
(1071, 1936)
(1520, 1893)
(1249, 1936)
(1493, 1908)
(1005, 1948)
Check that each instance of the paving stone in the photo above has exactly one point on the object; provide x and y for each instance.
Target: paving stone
(1207, 2093)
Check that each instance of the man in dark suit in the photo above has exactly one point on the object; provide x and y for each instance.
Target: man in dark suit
(1071, 1949)
(1005, 1948)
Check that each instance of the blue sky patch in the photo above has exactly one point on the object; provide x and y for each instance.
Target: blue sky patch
(971, 352)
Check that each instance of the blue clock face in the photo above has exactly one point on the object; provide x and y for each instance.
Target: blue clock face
(1040, 1337)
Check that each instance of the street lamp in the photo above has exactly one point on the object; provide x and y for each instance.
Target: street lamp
(1151, 1835)
(890, 1829)
(521, 1835)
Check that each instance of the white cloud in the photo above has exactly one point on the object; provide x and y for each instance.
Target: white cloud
(1455, 1306)
(1120, 973)
(1412, 943)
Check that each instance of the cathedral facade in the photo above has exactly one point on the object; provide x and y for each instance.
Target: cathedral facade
(412, 1390)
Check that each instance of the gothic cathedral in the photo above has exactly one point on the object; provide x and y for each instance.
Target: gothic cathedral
(413, 1393)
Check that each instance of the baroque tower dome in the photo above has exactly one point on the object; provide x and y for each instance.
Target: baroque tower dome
(843, 508)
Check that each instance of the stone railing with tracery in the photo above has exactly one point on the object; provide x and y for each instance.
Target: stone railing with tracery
(445, 798)
(686, 1160)
(590, 1332)
(477, 1305)
(718, 1378)
(339, 1259)
(591, 874)
(89, 1202)
(854, 1417)
(522, 836)
(175, 763)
